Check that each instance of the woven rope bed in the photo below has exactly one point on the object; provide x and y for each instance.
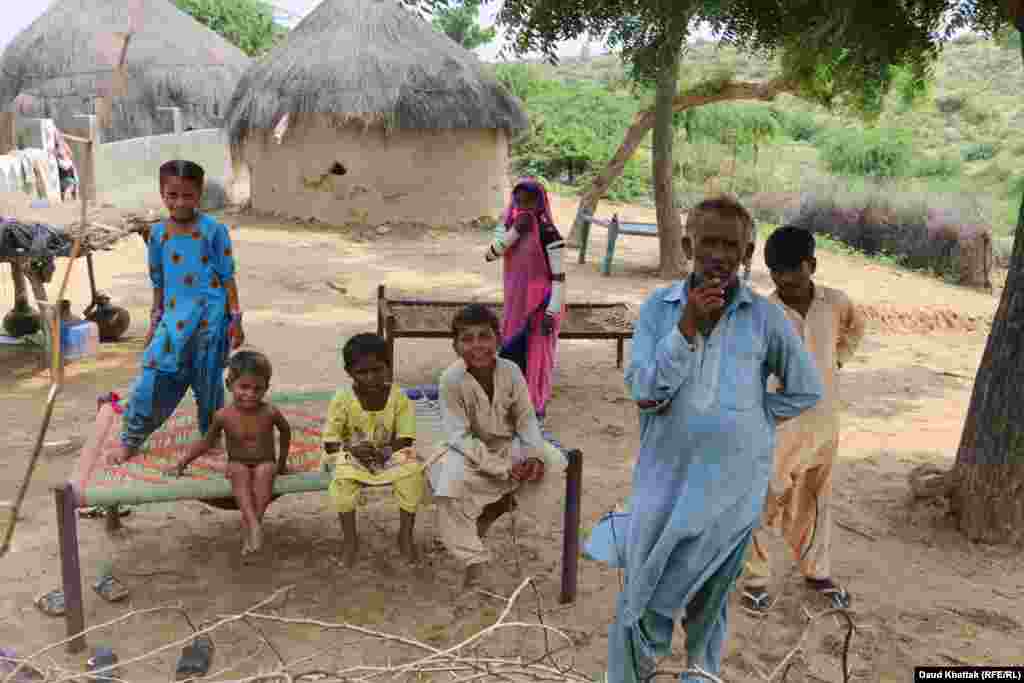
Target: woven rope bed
(95, 482)
(145, 480)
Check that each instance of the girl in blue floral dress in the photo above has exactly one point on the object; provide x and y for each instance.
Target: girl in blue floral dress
(195, 319)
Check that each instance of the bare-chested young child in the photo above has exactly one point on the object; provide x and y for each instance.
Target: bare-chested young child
(249, 424)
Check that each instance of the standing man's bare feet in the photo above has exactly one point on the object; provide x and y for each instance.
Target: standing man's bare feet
(256, 535)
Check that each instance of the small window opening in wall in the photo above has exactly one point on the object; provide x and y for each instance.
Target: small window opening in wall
(338, 169)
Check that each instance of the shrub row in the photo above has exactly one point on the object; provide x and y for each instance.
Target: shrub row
(920, 238)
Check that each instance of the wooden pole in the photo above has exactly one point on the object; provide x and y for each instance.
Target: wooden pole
(571, 530)
(51, 316)
(70, 567)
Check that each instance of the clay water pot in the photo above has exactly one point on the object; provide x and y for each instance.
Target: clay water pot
(21, 320)
(112, 321)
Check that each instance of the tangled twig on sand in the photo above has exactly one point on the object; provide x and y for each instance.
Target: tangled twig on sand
(463, 662)
(782, 669)
(456, 660)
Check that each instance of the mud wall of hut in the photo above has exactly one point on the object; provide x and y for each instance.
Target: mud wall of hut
(348, 174)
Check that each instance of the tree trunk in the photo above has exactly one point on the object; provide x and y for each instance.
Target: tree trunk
(988, 478)
(588, 203)
(643, 122)
(670, 227)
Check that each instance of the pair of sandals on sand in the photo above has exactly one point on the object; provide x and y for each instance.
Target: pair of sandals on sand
(194, 662)
(107, 587)
(760, 600)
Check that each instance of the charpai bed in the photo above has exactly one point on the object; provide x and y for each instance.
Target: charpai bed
(95, 482)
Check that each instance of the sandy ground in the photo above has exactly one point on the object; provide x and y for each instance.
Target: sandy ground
(923, 595)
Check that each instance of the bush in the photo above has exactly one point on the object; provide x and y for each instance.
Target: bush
(522, 80)
(741, 124)
(801, 126)
(1016, 187)
(980, 151)
(574, 130)
(908, 230)
(873, 152)
(940, 167)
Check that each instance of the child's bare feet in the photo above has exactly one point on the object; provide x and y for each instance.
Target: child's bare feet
(123, 454)
(256, 544)
(474, 574)
(246, 542)
(407, 548)
(406, 543)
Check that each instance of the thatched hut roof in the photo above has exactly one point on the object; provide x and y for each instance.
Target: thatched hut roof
(66, 57)
(370, 60)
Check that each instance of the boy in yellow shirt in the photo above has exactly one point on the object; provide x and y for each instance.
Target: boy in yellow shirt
(370, 432)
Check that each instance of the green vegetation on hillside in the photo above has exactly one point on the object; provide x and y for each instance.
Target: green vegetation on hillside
(950, 150)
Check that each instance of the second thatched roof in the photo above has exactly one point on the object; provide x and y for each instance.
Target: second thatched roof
(65, 59)
(371, 60)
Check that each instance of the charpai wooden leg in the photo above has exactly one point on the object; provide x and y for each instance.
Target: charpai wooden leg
(619, 352)
(70, 569)
(571, 530)
(113, 519)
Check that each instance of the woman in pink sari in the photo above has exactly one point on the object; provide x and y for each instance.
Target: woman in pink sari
(534, 286)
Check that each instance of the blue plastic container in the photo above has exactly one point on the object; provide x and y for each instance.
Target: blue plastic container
(80, 340)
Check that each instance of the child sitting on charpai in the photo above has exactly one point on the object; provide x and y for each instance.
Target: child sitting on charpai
(494, 442)
(369, 435)
(249, 424)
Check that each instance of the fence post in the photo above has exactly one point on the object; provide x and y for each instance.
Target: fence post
(85, 157)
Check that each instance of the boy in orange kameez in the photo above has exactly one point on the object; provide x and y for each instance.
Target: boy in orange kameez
(799, 496)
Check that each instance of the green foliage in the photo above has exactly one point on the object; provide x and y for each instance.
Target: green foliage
(980, 151)
(522, 80)
(575, 128)
(460, 21)
(1008, 38)
(247, 24)
(798, 125)
(937, 167)
(1016, 188)
(875, 152)
(741, 123)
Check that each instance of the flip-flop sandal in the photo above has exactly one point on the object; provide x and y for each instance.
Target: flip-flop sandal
(836, 595)
(121, 511)
(102, 658)
(757, 600)
(51, 604)
(839, 598)
(90, 512)
(196, 659)
(110, 589)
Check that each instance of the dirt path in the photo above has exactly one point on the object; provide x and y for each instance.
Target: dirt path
(923, 595)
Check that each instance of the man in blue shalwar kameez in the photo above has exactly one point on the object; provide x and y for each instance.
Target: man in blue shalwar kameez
(702, 352)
